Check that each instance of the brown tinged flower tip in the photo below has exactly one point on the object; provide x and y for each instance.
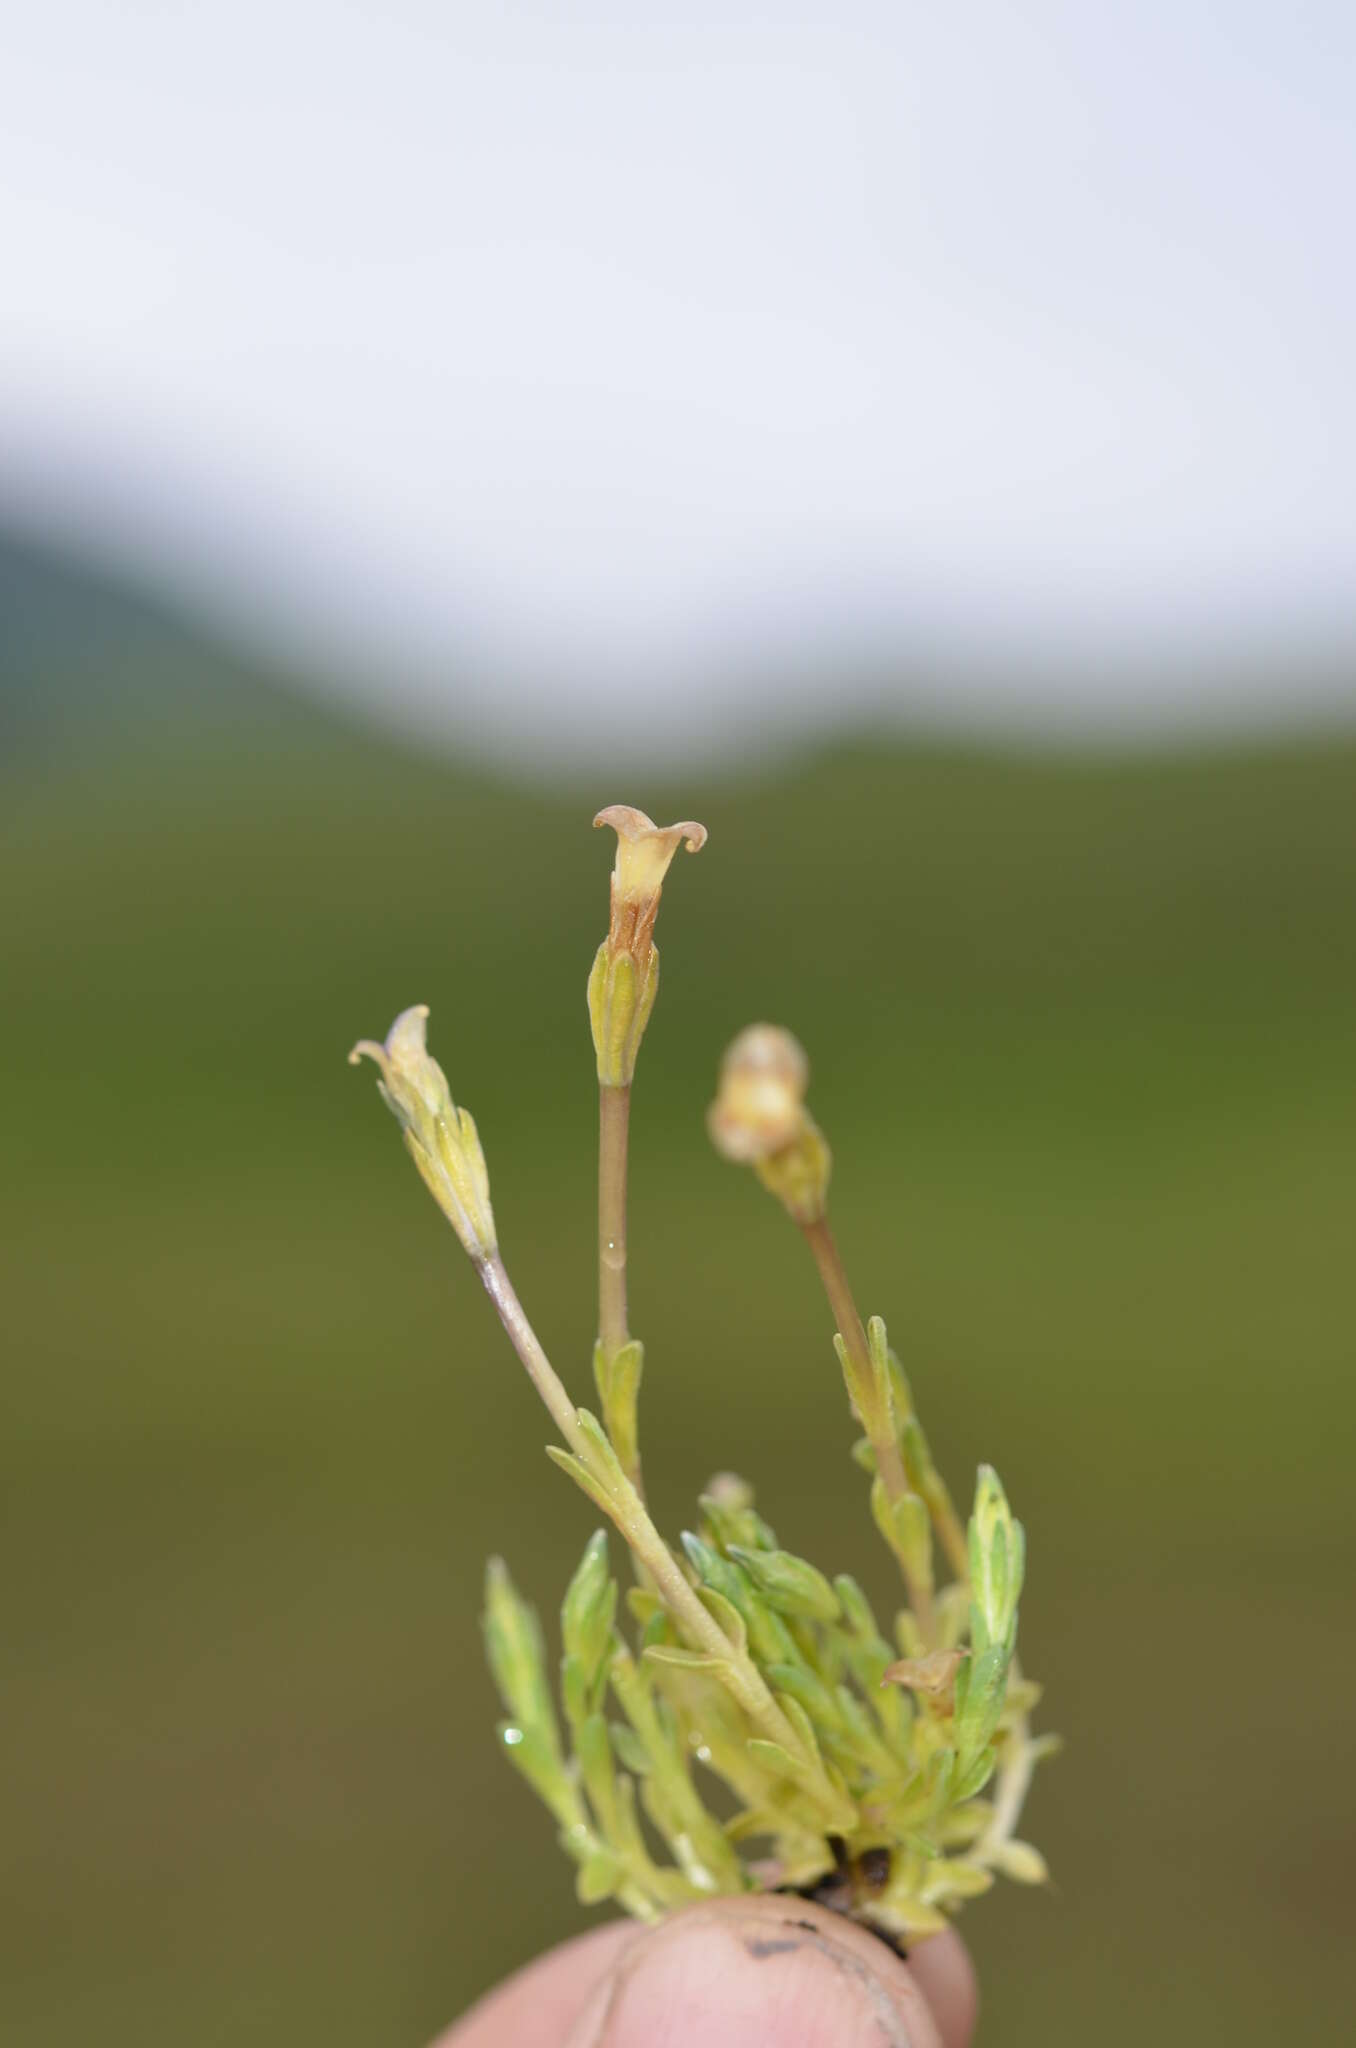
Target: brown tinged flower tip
(624, 980)
(644, 852)
(759, 1119)
(441, 1138)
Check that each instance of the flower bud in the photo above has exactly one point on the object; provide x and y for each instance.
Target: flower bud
(440, 1138)
(624, 980)
(792, 1585)
(759, 1118)
(997, 1563)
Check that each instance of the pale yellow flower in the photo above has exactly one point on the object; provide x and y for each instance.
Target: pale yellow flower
(759, 1119)
(760, 1106)
(644, 852)
(624, 980)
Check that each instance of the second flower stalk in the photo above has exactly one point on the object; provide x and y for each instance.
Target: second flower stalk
(623, 984)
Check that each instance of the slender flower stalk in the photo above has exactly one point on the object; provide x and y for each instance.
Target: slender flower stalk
(614, 1129)
(623, 985)
(873, 1408)
(759, 1118)
(543, 1375)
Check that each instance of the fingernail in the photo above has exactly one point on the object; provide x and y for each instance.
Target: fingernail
(757, 1972)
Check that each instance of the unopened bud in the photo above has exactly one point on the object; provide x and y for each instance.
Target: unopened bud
(440, 1138)
(759, 1118)
(997, 1562)
(624, 980)
(792, 1585)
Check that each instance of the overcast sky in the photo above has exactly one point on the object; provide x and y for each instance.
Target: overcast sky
(508, 352)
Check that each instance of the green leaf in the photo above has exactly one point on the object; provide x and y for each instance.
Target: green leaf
(901, 1395)
(808, 1689)
(618, 1379)
(856, 1607)
(594, 1751)
(730, 1516)
(773, 1757)
(1022, 1863)
(631, 1751)
(878, 1347)
(965, 1823)
(680, 1659)
(542, 1766)
(603, 1458)
(908, 1634)
(581, 1476)
(516, 1652)
(800, 1721)
(955, 1880)
(657, 1631)
(589, 1607)
(907, 1527)
(790, 1584)
(997, 1547)
(727, 1614)
(599, 1876)
(716, 1571)
(751, 1821)
(984, 1694)
(577, 1691)
(973, 1776)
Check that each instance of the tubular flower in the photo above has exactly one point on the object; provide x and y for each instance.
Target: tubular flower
(441, 1139)
(759, 1119)
(624, 980)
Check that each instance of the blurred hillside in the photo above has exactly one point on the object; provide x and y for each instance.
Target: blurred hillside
(1082, 1030)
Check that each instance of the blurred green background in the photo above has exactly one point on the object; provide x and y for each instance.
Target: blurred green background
(1082, 1029)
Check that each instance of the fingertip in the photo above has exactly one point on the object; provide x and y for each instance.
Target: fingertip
(774, 1970)
(943, 1969)
(780, 1972)
(537, 2005)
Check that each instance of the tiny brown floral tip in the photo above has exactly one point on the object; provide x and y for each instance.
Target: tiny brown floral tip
(441, 1138)
(644, 852)
(934, 1674)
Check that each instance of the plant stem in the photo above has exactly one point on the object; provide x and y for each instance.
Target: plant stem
(541, 1372)
(614, 1115)
(872, 1412)
(1014, 1782)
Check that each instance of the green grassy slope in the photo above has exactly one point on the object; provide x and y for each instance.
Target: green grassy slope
(1082, 1033)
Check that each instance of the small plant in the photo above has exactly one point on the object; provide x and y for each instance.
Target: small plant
(882, 1777)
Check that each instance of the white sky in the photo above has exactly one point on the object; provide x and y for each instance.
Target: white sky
(593, 343)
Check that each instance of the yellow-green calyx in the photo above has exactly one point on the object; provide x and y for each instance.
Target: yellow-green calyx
(759, 1119)
(441, 1139)
(625, 977)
